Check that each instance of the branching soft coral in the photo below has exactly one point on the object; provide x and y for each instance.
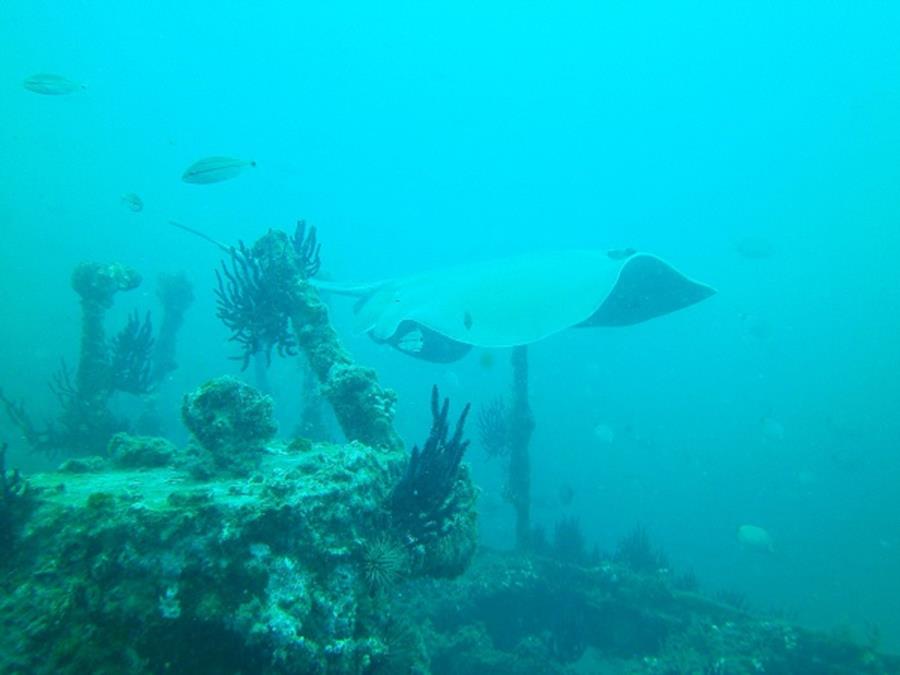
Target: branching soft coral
(132, 349)
(423, 499)
(254, 307)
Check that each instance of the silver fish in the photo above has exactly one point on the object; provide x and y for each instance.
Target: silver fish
(51, 85)
(133, 202)
(214, 170)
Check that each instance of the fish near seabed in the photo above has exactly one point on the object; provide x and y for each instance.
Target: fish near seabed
(51, 85)
(755, 538)
(215, 170)
(133, 202)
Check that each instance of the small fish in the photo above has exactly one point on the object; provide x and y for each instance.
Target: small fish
(51, 85)
(133, 202)
(755, 538)
(214, 170)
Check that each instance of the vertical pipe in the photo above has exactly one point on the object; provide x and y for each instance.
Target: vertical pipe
(521, 424)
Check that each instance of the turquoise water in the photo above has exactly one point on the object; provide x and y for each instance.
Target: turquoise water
(415, 136)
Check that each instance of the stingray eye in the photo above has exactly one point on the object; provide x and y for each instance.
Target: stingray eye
(467, 320)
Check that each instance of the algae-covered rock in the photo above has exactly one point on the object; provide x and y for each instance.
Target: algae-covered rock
(364, 409)
(90, 464)
(231, 420)
(136, 452)
(300, 444)
(148, 571)
(291, 571)
(517, 614)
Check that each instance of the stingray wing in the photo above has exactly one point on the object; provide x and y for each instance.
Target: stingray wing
(646, 288)
(517, 301)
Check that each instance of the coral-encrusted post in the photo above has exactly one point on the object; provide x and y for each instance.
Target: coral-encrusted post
(86, 416)
(97, 283)
(175, 293)
(521, 424)
(364, 409)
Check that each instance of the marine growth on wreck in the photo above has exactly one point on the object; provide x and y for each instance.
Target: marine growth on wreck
(454, 338)
(247, 550)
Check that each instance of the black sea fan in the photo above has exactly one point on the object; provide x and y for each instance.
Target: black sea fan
(493, 428)
(307, 249)
(132, 351)
(253, 307)
(423, 499)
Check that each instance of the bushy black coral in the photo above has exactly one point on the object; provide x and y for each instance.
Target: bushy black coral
(255, 292)
(12, 493)
(132, 356)
(493, 428)
(307, 248)
(423, 499)
(254, 307)
(637, 552)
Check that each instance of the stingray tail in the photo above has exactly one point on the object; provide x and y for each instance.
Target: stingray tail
(353, 290)
(198, 233)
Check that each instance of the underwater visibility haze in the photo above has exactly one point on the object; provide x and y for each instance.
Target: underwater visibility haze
(449, 337)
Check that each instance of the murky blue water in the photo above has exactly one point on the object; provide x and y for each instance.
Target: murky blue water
(754, 146)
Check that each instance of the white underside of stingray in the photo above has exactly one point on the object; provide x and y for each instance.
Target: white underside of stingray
(518, 301)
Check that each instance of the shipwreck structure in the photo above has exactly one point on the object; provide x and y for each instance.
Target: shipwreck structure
(246, 552)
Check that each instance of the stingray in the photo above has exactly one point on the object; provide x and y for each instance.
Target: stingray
(440, 315)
